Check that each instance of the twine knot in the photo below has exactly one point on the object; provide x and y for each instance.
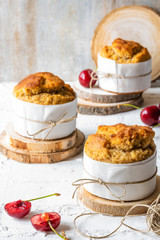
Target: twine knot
(152, 214)
(83, 181)
(49, 124)
(96, 75)
(100, 181)
(52, 123)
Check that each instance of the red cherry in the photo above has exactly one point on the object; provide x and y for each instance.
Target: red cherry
(18, 209)
(40, 223)
(149, 115)
(85, 78)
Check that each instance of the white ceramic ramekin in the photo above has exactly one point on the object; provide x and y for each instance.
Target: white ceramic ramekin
(25, 115)
(121, 173)
(126, 85)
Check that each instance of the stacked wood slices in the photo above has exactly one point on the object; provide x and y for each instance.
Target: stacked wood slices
(96, 101)
(128, 63)
(44, 124)
(123, 74)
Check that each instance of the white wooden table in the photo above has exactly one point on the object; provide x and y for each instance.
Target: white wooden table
(22, 181)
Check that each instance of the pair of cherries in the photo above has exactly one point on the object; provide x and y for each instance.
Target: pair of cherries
(41, 222)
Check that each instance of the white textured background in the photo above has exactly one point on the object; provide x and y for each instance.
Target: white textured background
(51, 35)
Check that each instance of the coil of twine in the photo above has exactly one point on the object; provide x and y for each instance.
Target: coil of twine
(152, 215)
(152, 220)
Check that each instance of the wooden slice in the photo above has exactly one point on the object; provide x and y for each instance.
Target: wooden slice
(91, 108)
(100, 96)
(25, 156)
(137, 23)
(20, 142)
(115, 208)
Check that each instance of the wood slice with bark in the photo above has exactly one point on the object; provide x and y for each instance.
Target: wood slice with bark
(137, 23)
(116, 208)
(91, 108)
(40, 146)
(25, 156)
(95, 94)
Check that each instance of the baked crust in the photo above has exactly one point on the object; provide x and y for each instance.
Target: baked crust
(124, 51)
(44, 88)
(121, 136)
(120, 144)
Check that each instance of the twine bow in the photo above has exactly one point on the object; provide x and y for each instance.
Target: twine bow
(96, 75)
(50, 124)
(152, 219)
(81, 182)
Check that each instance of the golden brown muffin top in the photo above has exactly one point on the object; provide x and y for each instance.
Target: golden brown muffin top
(120, 143)
(126, 137)
(43, 88)
(124, 51)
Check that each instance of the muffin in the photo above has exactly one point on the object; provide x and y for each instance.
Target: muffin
(124, 67)
(44, 88)
(44, 107)
(120, 144)
(124, 51)
(124, 157)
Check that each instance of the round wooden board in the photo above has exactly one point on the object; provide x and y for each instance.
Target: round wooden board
(115, 208)
(137, 23)
(25, 156)
(91, 108)
(100, 96)
(40, 146)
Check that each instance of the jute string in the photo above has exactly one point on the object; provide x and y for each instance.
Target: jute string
(96, 75)
(152, 219)
(50, 124)
(83, 181)
(152, 215)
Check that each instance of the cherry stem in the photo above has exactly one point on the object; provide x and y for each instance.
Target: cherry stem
(130, 105)
(156, 125)
(54, 194)
(63, 237)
